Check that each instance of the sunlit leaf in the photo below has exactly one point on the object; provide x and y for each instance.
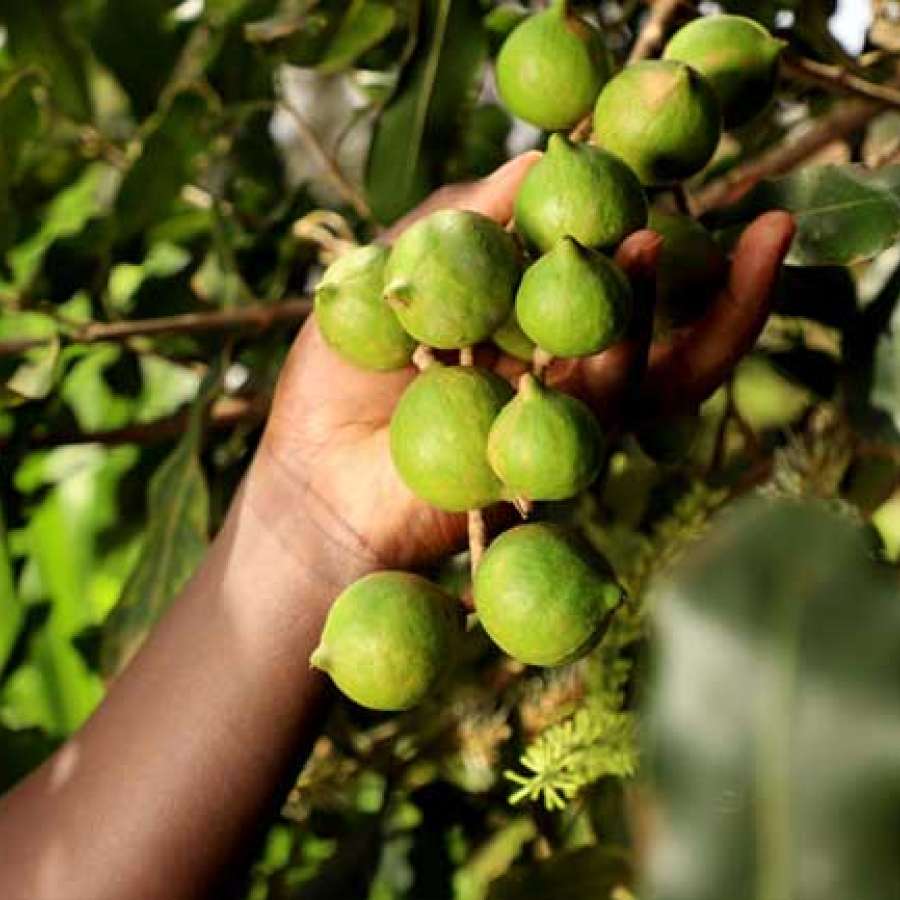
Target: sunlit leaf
(176, 540)
(125, 280)
(775, 718)
(66, 215)
(31, 374)
(68, 558)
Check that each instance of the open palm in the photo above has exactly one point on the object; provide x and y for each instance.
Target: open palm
(328, 432)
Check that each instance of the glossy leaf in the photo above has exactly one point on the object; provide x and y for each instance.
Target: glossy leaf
(775, 716)
(175, 542)
(413, 132)
(844, 214)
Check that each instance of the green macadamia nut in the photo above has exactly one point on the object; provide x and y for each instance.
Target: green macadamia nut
(738, 56)
(389, 640)
(579, 191)
(439, 435)
(451, 278)
(353, 317)
(551, 68)
(543, 596)
(662, 118)
(574, 301)
(545, 445)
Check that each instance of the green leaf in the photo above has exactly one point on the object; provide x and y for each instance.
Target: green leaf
(176, 541)
(10, 608)
(137, 41)
(71, 566)
(163, 260)
(412, 134)
(592, 744)
(31, 375)
(39, 35)
(845, 214)
(365, 24)
(589, 872)
(774, 722)
(67, 215)
(153, 184)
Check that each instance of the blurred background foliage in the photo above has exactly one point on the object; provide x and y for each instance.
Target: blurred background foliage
(173, 176)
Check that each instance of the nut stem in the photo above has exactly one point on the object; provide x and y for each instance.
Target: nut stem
(423, 359)
(539, 362)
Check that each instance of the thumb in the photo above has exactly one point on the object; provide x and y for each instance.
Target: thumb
(493, 196)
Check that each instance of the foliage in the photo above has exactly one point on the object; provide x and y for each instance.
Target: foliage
(162, 160)
(567, 757)
(757, 779)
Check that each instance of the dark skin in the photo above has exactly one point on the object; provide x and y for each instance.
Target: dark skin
(163, 788)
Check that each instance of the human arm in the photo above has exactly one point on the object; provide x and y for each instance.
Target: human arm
(161, 790)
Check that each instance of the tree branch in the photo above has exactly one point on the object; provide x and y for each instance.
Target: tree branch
(341, 183)
(846, 118)
(654, 31)
(259, 317)
(837, 78)
(224, 413)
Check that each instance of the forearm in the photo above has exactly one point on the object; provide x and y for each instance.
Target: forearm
(169, 779)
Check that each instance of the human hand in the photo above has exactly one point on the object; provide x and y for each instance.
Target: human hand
(325, 454)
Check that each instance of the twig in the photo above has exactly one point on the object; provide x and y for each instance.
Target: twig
(475, 517)
(582, 130)
(258, 317)
(837, 78)
(653, 33)
(223, 414)
(477, 538)
(843, 120)
(342, 184)
(423, 359)
(539, 362)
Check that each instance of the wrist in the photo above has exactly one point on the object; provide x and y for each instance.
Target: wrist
(281, 507)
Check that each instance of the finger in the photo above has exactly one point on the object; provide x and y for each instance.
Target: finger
(686, 370)
(493, 196)
(607, 381)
